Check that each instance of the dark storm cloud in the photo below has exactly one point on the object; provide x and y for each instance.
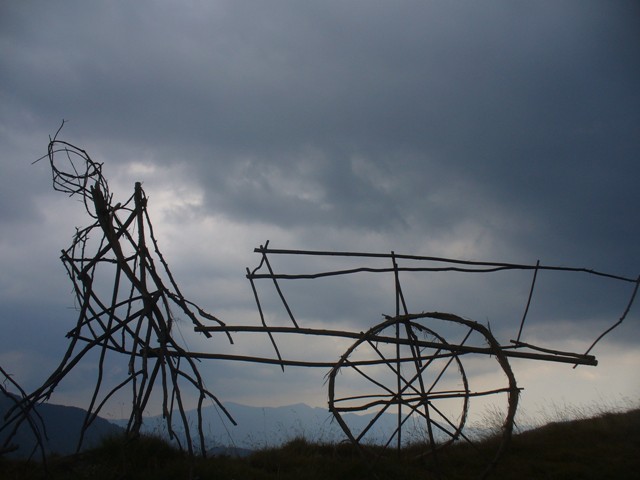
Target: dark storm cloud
(534, 106)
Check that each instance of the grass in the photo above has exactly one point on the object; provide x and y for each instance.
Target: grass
(606, 446)
(602, 447)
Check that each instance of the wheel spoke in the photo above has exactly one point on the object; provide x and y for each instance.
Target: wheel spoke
(449, 362)
(458, 432)
(373, 420)
(388, 363)
(375, 382)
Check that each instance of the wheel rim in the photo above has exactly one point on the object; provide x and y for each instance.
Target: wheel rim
(404, 367)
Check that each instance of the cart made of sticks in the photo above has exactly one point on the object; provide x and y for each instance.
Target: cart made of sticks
(408, 379)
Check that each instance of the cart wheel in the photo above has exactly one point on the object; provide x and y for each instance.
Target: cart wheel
(403, 387)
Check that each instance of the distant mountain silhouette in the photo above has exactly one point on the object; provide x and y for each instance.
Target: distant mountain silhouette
(261, 427)
(258, 427)
(62, 427)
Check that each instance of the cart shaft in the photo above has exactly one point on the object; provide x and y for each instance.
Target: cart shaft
(543, 354)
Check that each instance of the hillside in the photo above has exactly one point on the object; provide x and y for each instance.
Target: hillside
(62, 429)
(605, 447)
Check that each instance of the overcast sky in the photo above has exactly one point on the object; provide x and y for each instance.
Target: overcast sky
(500, 131)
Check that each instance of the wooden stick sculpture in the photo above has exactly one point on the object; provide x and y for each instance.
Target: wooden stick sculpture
(133, 316)
(412, 365)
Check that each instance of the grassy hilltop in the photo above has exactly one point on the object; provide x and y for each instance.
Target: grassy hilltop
(603, 447)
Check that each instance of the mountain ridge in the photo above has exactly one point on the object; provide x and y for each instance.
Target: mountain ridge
(260, 427)
(257, 427)
(61, 434)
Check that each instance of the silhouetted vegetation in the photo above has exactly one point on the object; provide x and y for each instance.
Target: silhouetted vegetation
(603, 447)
